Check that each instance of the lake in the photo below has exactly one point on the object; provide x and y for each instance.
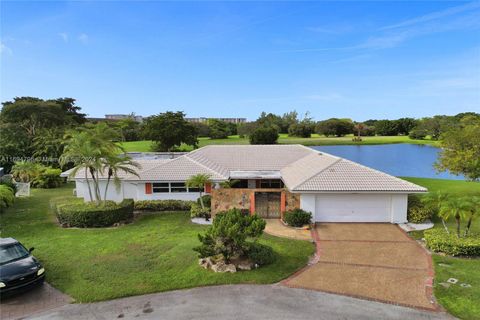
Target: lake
(406, 160)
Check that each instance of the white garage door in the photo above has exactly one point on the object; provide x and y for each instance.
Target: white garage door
(352, 208)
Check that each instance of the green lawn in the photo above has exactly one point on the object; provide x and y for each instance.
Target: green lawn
(152, 254)
(315, 140)
(461, 302)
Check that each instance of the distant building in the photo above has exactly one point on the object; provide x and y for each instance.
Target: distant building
(229, 120)
(123, 116)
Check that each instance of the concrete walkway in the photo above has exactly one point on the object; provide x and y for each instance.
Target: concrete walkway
(276, 228)
(371, 261)
(238, 302)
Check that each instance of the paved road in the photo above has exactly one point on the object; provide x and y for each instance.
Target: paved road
(238, 302)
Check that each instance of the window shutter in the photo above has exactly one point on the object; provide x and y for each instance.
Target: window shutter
(148, 188)
(208, 187)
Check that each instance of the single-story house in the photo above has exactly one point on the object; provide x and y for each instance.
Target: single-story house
(268, 180)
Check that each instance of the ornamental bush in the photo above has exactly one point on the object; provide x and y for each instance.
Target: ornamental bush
(230, 235)
(47, 178)
(297, 218)
(418, 214)
(196, 211)
(7, 197)
(92, 215)
(260, 254)
(440, 241)
(207, 200)
(163, 205)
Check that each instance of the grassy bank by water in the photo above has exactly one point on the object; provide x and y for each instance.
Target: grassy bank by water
(315, 140)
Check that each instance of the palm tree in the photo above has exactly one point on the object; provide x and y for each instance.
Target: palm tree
(115, 164)
(87, 149)
(199, 181)
(433, 202)
(474, 208)
(25, 171)
(7, 196)
(227, 184)
(456, 207)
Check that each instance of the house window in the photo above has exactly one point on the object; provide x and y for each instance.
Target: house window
(160, 187)
(194, 189)
(178, 187)
(271, 184)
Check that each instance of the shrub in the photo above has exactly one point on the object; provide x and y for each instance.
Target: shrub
(297, 217)
(264, 135)
(163, 205)
(260, 254)
(196, 211)
(418, 134)
(302, 130)
(92, 215)
(229, 235)
(207, 200)
(418, 214)
(440, 241)
(47, 178)
(7, 197)
(7, 180)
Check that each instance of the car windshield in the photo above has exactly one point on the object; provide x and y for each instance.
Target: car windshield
(12, 252)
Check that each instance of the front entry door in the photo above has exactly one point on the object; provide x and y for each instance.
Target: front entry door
(267, 204)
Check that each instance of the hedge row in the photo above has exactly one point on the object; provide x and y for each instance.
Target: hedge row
(439, 241)
(91, 215)
(163, 205)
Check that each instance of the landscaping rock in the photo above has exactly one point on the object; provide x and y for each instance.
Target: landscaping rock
(245, 266)
(444, 265)
(445, 285)
(223, 267)
(452, 280)
(205, 263)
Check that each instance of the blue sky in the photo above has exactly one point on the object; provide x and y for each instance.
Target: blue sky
(217, 59)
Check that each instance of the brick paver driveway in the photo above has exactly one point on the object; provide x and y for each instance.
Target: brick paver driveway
(373, 261)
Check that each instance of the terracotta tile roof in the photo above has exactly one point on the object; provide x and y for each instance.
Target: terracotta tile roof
(302, 169)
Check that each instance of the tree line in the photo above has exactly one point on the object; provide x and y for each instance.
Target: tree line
(36, 128)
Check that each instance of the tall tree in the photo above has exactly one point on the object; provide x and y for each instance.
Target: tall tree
(460, 152)
(169, 130)
(113, 165)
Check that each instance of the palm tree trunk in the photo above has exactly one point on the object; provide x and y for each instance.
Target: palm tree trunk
(88, 185)
(457, 219)
(201, 200)
(445, 226)
(95, 184)
(98, 187)
(469, 224)
(106, 188)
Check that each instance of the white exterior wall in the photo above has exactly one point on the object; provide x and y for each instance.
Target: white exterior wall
(359, 207)
(112, 193)
(141, 195)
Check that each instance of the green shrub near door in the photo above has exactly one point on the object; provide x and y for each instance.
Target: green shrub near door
(297, 218)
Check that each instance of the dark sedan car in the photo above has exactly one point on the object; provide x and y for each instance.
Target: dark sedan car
(19, 270)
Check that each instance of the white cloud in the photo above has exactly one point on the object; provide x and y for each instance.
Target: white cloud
(5, 50)
(64, 36)
(83, 38)
(434, 15)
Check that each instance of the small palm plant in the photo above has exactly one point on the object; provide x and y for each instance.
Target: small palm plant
(454, 207)
(25, 171)
(115, 164)
(433, 202)
(474, 209)
(7, 197)
(199, 181)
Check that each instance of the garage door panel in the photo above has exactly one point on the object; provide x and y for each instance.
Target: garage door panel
(353, 208)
